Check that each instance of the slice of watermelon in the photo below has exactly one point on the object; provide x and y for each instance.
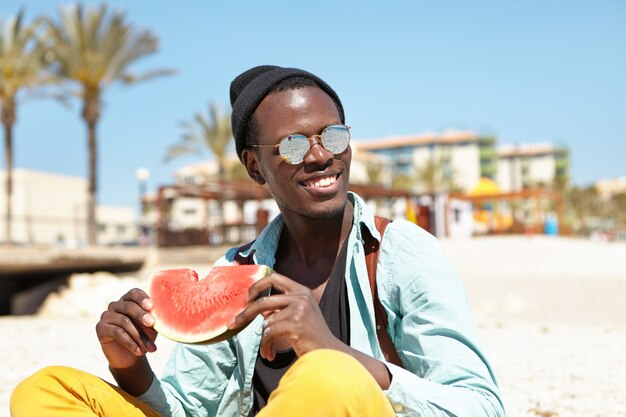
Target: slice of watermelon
(189, 310)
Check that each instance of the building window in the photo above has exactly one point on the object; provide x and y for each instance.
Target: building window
(102, 227)
(189, 211)
(121, 229)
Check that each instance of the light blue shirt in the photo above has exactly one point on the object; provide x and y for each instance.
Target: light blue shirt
(429, 323)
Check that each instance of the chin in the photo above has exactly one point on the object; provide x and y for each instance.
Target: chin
(325, 210)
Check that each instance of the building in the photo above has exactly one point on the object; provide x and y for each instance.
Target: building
(609, 187)
(464, 156)
(369, 168)
(532, 165)
(50, 209)
(189, 212)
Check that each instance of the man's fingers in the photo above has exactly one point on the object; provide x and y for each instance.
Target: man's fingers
(275, 281)
(125, 331)
(274, 329)
(139, 297)
(134, 311)
(270, 303)
(109, 333)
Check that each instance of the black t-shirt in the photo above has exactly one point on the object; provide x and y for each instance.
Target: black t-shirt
(334, 307)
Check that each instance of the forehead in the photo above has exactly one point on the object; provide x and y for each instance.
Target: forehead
(303, 110)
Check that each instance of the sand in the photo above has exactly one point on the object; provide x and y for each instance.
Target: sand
(550, 313)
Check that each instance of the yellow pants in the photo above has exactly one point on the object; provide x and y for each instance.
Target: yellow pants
(320, 383)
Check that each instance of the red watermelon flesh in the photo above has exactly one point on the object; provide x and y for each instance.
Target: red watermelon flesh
(189, 310)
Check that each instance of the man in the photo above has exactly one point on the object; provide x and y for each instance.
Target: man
(311, 347)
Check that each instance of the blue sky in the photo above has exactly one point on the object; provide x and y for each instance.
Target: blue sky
(529, 71)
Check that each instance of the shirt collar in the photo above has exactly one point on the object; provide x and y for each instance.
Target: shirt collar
(265, 246)
(363, 217)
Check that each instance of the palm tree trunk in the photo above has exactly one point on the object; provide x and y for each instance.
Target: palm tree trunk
(8, 152)
(92, 227)
(91, 113)
(222, 178)
(7, 117)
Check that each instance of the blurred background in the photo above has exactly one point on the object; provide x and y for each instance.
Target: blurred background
(498, 127)
(524, 103)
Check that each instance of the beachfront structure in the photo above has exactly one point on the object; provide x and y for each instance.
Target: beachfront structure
(610, 187)
(189, 212)
(50, 209)
(465, 156)
(365, 166)
(532, 165)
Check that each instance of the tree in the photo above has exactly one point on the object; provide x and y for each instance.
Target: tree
(22, 60)
(94, 50)
(434, 177)
(586, 204)
(373, 171)
(211, 132)
(618, 204)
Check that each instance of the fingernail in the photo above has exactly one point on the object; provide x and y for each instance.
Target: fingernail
(232, 323)
(147, 304)
(151, 345)
(148, 320)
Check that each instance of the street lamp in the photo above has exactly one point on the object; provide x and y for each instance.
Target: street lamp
(142, 175)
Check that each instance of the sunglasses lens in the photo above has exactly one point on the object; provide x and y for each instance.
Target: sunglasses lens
(293, 148)
(336, 138)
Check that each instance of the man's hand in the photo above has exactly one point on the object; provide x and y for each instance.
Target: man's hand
(125, 330)
(292, 315)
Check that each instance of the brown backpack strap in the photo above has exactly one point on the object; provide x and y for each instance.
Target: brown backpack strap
(371, 260)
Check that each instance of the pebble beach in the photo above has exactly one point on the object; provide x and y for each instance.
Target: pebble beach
(550, 314)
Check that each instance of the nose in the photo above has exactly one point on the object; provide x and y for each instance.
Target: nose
(317, 154)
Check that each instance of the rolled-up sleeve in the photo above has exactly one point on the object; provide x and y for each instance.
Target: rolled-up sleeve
(430, 323)
(193, 381)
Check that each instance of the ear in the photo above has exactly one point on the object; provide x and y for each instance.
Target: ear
(251, 162)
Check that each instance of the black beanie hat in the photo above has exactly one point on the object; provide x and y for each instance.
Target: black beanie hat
(249, 89)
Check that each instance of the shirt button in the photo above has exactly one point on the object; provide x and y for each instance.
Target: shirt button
(398, 408)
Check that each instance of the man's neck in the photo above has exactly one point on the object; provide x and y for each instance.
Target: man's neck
(306, 241)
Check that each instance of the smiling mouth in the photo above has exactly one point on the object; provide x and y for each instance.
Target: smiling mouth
(321, 182)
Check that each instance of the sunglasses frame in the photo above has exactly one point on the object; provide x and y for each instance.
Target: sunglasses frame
(286, 159)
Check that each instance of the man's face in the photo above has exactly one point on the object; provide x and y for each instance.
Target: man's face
(317, 187)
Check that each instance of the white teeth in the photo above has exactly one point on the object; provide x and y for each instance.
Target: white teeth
(322, 182)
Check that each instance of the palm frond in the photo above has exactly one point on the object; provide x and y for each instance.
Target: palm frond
(178, 150)
(210, 131)
(97, 47)
(135, 78)
(21, 57)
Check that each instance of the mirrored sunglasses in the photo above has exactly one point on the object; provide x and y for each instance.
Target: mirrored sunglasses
(293, 148)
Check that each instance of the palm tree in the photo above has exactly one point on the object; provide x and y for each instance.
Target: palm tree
(373, 172)
(211, 132)
(94, 50)
(21, 66)
(434, 177)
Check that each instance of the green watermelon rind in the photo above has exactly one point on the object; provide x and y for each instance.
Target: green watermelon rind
(219, 334)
